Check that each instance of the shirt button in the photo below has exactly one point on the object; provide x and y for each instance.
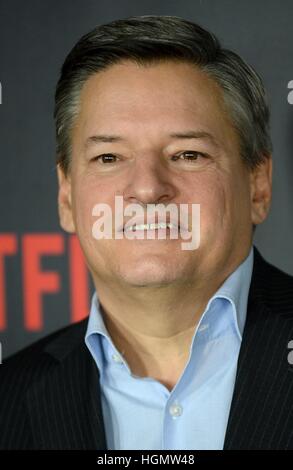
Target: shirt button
(116, 358)
(175, 410)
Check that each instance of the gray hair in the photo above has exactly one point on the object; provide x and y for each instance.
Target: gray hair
(149, 39)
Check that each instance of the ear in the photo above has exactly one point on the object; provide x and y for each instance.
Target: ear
(64, 201)
(261, 190)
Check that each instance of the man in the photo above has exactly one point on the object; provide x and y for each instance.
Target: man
(183, 349)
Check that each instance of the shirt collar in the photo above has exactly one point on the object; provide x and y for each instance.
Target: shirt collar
(234, 289)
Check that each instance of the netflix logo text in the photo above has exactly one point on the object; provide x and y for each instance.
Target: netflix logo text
(37, 282)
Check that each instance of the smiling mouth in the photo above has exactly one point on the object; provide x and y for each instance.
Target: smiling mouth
(147, 227)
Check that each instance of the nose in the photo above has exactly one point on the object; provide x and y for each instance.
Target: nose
(149, 182)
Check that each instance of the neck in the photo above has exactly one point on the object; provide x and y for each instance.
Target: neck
(152, 326)
(153, 329)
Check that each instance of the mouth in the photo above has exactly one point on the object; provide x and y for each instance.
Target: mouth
(153, 231)
(151, 227)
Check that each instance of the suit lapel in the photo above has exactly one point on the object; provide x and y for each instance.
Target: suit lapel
(65, 408)
(257, 413)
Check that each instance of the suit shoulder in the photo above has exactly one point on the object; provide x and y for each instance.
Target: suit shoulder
(276, 277)
(25, 369)
(273, 285)
(31, 363)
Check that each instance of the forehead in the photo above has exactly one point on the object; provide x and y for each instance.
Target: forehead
(158, 97)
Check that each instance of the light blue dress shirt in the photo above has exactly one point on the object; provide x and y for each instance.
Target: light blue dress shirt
(141, 413)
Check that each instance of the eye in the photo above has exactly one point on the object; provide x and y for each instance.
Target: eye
(105, 158)
(192, 156)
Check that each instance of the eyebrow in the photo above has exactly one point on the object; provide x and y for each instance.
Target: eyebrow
(107, 138)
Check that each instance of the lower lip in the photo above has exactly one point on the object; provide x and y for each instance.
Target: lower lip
(158, 233)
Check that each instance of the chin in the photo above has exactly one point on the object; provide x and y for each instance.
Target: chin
(148, 275)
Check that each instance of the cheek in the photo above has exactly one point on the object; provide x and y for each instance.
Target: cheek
(211, 192)
(224, 206)
(86, 194)
(229, 202)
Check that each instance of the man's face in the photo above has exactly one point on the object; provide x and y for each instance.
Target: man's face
(144, 106)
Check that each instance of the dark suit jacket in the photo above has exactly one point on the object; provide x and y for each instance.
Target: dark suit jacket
(50, 392)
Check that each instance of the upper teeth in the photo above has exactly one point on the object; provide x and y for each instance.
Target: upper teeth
(149, 226)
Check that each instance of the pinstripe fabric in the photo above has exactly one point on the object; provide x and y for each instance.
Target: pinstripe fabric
(49, 395)
(50, 392)
(261, 414)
